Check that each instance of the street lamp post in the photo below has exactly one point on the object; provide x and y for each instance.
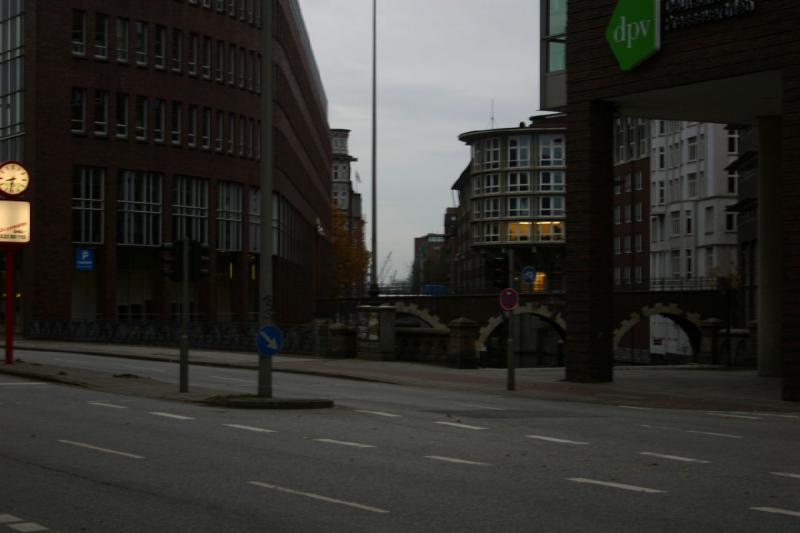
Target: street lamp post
(373, 286)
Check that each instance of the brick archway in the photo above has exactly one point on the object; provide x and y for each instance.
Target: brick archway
(555, 319)
(690, 322)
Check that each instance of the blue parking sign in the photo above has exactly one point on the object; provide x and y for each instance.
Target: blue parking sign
(84, 259)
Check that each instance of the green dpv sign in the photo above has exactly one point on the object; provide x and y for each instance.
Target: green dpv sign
(634, 32)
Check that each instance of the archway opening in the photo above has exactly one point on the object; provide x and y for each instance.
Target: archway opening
(537, 342)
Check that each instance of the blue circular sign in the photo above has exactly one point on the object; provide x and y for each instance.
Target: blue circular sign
(269, 341)
(528, 274)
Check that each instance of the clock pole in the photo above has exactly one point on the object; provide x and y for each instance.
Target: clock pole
(9, 304)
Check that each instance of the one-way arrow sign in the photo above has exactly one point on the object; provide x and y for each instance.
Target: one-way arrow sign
(269, 341)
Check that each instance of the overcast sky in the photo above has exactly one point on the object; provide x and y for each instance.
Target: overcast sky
(440, 65)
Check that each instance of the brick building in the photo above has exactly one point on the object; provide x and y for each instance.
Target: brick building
(718, 61)
(144, 122)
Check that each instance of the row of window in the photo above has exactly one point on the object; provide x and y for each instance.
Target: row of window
(683, 224)
(12, 80)
(628, 181)
(245, 10)
(667, 265)
(229, 132)
(692, 186)
(622, 244)
(203, 56)
(631, 138)
(519, 206)
(548, 151)
(630, 210)
(543, 181)
(540, 231)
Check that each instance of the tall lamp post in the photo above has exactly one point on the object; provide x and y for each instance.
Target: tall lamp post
(373, 286)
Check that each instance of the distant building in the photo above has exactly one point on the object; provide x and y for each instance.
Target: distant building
(513, 195)
(431, 269)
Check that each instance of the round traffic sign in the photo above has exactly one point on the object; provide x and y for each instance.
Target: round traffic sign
(509, 299)
(528, 274)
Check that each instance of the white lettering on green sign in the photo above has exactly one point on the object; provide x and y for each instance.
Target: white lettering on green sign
(634, 32)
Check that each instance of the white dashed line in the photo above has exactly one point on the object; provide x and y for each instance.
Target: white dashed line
(345, 443)
(250, 428)
(319, 497)
(713, 434)
(21, 384)
(458, 425)
(170, 415)
(674, 457)
(99, 449)
(377, 413)
(109, 405)
(28, 527)
(786, 474)
(622, 486)
(454, 460)
(553, 439)
(9, 519)
(731, 415)
(484, 407)
(775, 510)
(635, 407)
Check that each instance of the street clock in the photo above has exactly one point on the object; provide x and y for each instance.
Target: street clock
(14, 179)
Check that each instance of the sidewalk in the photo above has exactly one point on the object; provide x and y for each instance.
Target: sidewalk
(677, 387)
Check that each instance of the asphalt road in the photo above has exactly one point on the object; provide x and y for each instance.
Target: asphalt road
(387, 458)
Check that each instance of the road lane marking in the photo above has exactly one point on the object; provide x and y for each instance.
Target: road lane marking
(675, 457)
(250, 428)
(713, 434)
(635, 407)
(21, 384)
(9, 518)
(786, 474)
(459, 425)
(99, 449)
(553, 439)
(319, 497)
(345, 443)
(611, 484)
(170, 415)
(110, 405)
(28, 527)
(454, 460)
(377, 413)
(731, 415)
(223, 378)
(775, 510)
(484, 407)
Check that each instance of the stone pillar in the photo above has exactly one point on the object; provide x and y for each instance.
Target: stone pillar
(461, 344)
(376, 337)
(589, 233)
(770, 246)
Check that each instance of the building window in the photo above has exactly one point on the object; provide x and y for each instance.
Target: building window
(121, 128)
(709, 221)
(619, 139)
(691, 182)
(642, 134)
(191, 65)
(176, 122)
(519, 181)
(78, 32)
(206, 137)
(177, 50)
(78, 106)
(219, 141)
(139, 208)
(251, 60)
(159, 120)
(617, 245)
(551, 150)
(617, 275)
(662, 158)
(241, 135)
(627, 246)
(242, 67)
(628, 182)
(159, 59)
(140, 39)
(231, 64)
(255, 220)
(141, 118)
(627, 212)
(691, 145)
(100, 36)
(219, 67)
(191, 127)
(88, 205)
(675, 263)
(555, 36)
(491, 183)
(122, 40)
(491, 232)
(257, 74)
(551, 206)
(639, 180)
(257, 142)
(250, 138)
(519, 231)
(733, 142)
(207, 45)
(638, 210)
(190, 208)
(232, 8)
(733, 182)
(638, 242)
(551, 181)
(675, 218)
(229, 217)
(101, 113)
(731, 222)
(688, 221)
(519, 207)
(549, 231)
(491, 208)
(492, 154)
(231, 133)
(709, 262)
(661, 193)
(689, 265)
(519, 151)
(617, 214)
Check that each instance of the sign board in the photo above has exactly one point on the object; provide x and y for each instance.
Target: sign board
(634, 32)
(528, 274)
(15, 221)
(269, 341)
(84, 259)
(509, 299)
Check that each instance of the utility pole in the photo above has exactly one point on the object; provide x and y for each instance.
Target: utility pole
(510, 359)
(373, 286)
(184, 338)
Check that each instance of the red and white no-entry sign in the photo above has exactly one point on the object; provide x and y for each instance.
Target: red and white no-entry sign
(509, 299)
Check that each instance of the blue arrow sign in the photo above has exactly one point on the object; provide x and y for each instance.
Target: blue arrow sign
(269, 341)
(528, 274)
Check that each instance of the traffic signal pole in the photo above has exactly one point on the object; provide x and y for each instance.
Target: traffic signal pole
(510, 360)
(184, 337)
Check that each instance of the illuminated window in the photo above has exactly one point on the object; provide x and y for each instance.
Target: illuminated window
(519, 231)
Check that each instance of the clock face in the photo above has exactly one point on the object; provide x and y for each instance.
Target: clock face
(13, 178)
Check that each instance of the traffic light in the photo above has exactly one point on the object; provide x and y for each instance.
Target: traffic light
(172, 260)
(498, 271)
(198, 260)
